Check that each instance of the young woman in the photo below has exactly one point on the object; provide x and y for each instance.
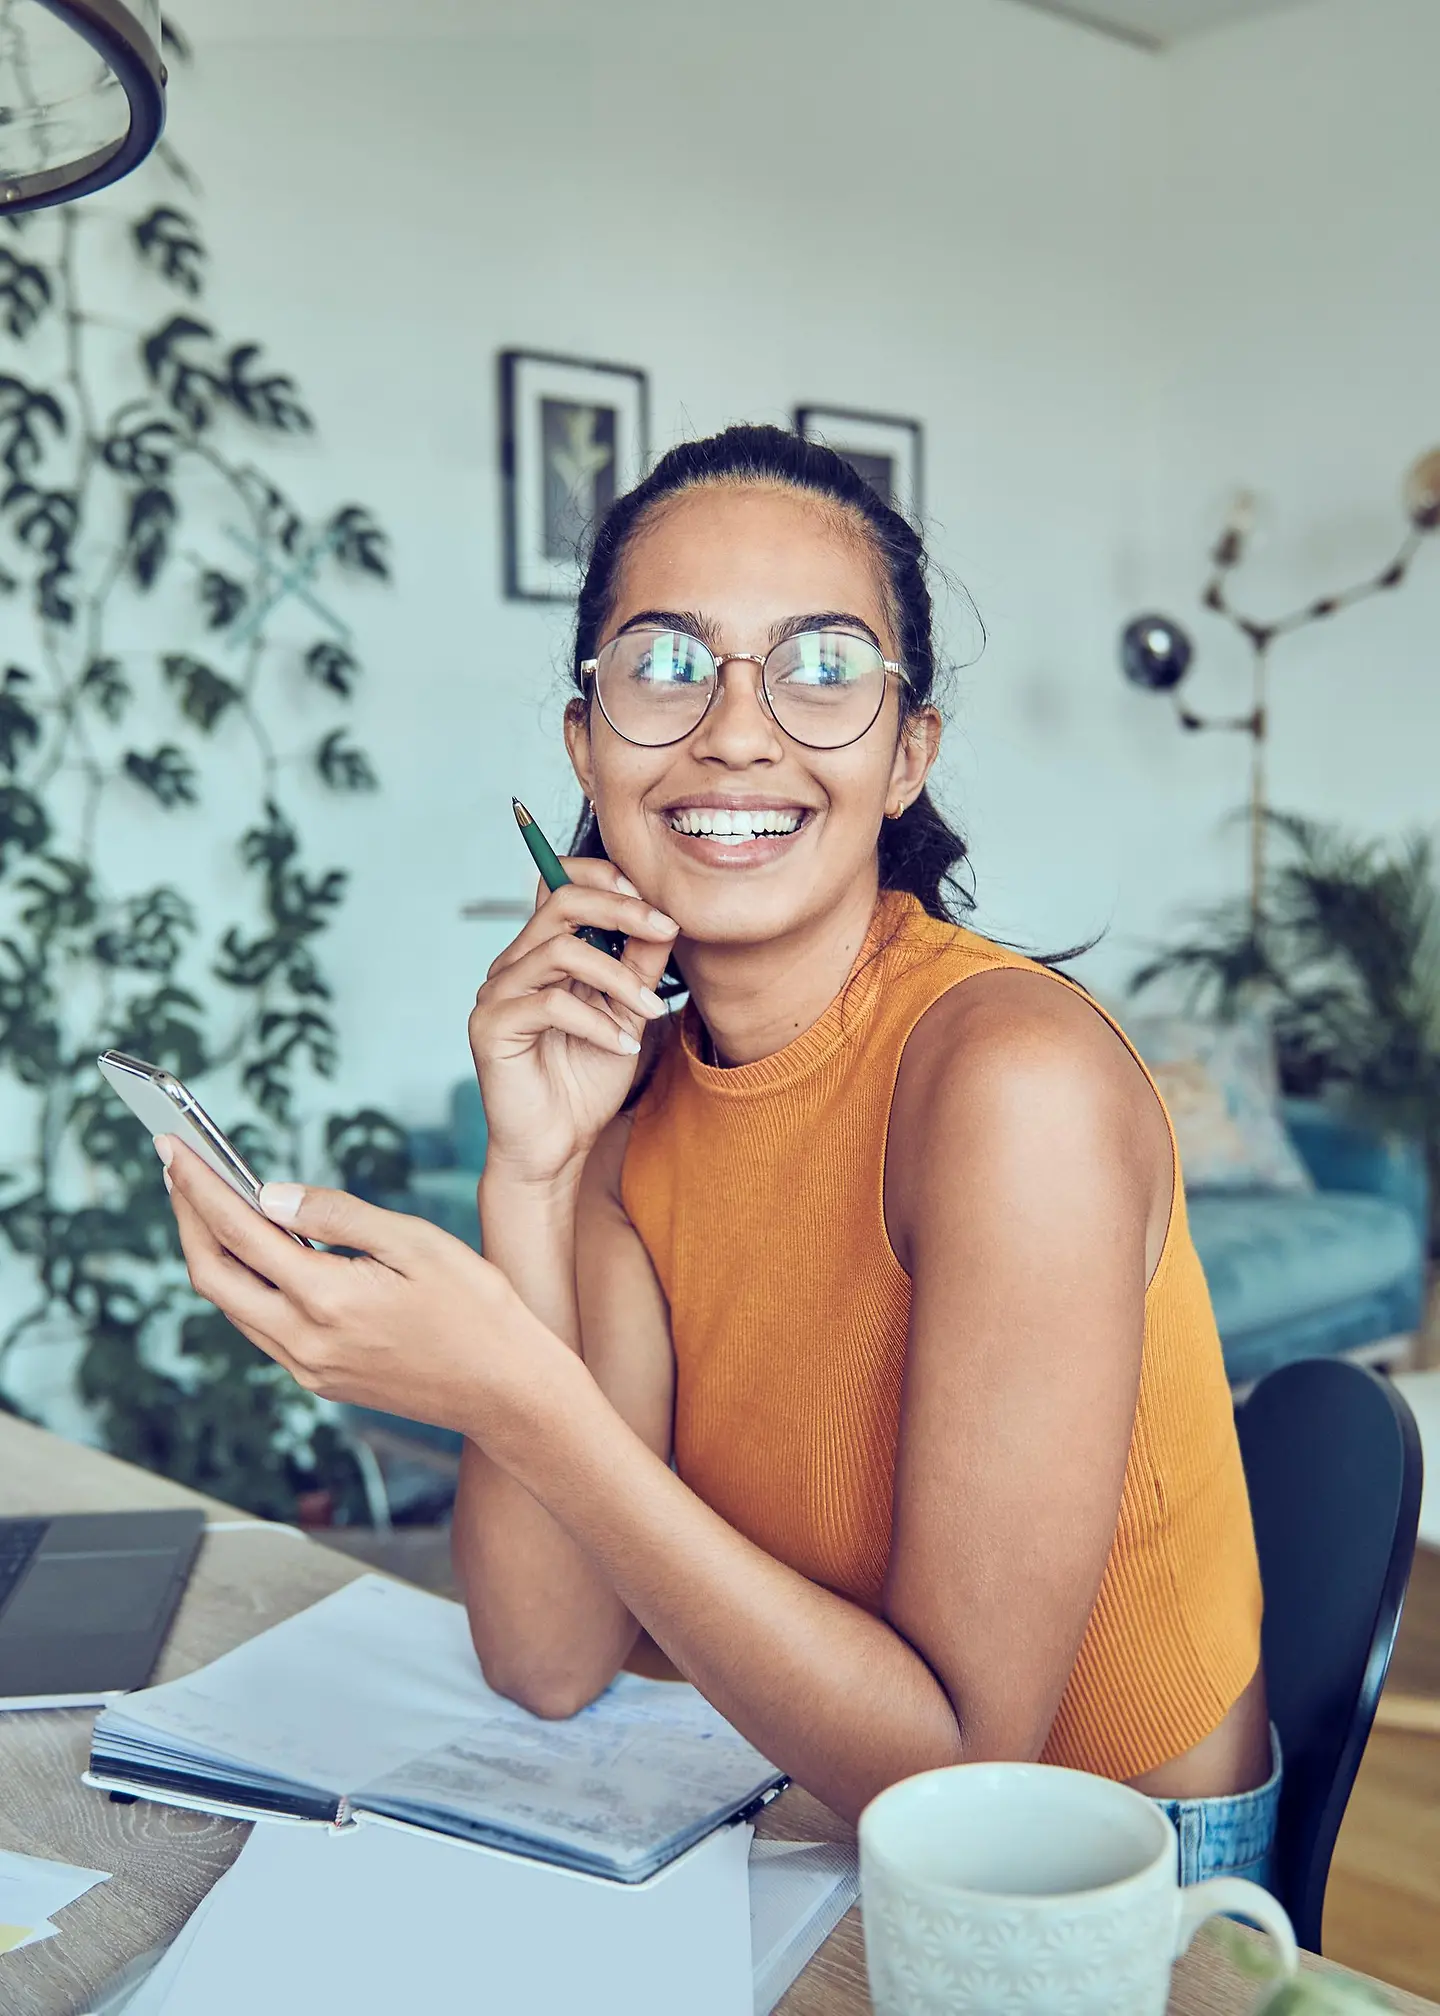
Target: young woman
(844, 1333)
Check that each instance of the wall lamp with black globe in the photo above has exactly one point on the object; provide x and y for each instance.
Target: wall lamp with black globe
(1156, 654)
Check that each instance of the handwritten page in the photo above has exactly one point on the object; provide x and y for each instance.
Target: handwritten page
(630, 1779)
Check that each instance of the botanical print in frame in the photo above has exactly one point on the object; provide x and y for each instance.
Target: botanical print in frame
(888, 452)
(575, 436)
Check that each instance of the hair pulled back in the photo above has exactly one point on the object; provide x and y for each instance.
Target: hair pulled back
(920, 852)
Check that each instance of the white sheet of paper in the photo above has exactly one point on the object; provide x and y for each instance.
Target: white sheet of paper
(32, 1889)
(406, 1661)
(369, 1918)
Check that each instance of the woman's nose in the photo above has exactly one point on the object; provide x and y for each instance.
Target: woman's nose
(739, 727)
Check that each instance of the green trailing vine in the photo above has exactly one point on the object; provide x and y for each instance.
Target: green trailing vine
(116, 511)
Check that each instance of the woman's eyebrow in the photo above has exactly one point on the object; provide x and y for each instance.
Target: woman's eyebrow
(696, 625)
(688, 620)
(823, 619)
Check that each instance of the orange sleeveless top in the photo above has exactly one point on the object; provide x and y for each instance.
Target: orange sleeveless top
(758, 1193)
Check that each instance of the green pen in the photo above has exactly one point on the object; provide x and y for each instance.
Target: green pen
(554, 877)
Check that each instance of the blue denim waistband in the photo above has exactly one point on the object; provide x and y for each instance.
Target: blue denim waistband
(1229, 1836)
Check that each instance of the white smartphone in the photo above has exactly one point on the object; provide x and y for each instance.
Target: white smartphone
(163, 1105)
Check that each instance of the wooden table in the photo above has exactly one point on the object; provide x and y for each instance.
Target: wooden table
(163, 1860)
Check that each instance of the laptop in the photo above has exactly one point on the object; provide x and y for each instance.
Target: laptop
(86, 1599)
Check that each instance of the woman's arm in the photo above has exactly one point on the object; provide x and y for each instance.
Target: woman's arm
(1037, 1173)
(548, 1627)
(556, 1033)
(1031, 1183)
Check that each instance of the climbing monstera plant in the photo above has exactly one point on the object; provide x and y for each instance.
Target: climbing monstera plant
(173, 680)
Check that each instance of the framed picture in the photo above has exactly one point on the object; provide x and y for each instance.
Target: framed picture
(574, 435)
(886, 451)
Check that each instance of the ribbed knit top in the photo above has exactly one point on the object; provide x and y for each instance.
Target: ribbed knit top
(758, 1192)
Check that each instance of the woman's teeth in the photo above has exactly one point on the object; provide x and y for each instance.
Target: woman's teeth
(720, 824)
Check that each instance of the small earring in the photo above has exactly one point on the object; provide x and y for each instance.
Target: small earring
(897, 813)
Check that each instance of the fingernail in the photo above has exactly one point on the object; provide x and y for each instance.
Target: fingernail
(628, 1043)
(281, 1201)
(164, 1148)
(651, 1002)
(165, 1179)
(660, 922)
(626, 888)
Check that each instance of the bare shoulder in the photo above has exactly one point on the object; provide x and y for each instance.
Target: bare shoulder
(1008, 1072)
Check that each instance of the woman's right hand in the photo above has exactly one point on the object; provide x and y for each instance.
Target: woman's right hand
(555, 1030)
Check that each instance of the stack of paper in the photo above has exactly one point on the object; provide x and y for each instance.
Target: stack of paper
(32, 1891)
(376, 1919)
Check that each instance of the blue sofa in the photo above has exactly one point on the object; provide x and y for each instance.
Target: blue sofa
(1309, 1274)
(1292, 1274)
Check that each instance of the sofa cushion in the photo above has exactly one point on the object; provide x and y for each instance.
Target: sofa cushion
(1219, 1082)
(1274, 1258)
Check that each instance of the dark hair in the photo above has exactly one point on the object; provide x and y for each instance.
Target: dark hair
(920, 852)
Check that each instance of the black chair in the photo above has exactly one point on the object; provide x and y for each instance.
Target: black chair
(1332, 1459)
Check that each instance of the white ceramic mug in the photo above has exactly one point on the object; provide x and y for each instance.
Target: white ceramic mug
(1027, 1890)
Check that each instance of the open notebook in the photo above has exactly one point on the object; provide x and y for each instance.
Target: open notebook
(371, 1702)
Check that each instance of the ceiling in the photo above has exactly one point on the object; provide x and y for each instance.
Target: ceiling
(1155, 24)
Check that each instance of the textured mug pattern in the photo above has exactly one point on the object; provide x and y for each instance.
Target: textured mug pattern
(934, 1954)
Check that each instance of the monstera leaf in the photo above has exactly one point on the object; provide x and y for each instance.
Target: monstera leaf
(332, 666)
(222, 596)
(271, 845)
(25, 415)
(205, 695)
(149, 933)
(193, 383)
(266, 401)
(369, 1149)
(170, 241)
(24, 824)
(25, 293)
(19, 726)
(165, 1028)
(146, 452)
(103, 683)
(357, 542)
(29, 1024)
(45, 520)
(168, 775)
(343, 766)
(147, 535)
(58, 895)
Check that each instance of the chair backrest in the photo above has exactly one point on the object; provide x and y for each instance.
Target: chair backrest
(1333, 1462)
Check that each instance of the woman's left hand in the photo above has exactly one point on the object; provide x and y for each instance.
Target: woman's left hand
(415, 1324)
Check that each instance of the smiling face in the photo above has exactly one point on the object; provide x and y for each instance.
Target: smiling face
(742, 567)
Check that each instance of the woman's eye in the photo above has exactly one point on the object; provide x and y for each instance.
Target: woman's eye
(819, 668)
(661, 666)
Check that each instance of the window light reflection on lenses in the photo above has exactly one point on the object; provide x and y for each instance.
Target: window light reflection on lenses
(823, 688)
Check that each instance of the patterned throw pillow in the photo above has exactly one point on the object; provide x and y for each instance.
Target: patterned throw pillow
(1219, 1081)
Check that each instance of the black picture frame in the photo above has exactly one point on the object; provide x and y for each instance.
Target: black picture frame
(870, 440)
(548, 515)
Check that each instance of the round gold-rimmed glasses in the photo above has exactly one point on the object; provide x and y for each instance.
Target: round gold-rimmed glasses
(823, 688)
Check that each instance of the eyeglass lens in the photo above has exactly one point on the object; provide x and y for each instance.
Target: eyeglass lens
(825, 687)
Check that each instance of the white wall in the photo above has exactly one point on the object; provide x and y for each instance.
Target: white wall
(932, 212)
(1301, 344)
(1112, 285)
